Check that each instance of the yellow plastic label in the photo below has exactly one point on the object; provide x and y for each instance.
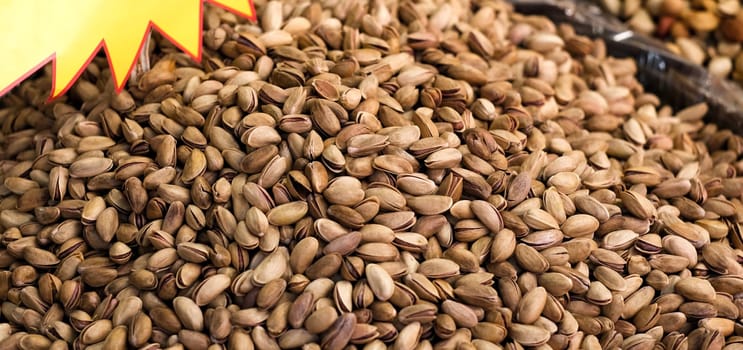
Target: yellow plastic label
(71, 32)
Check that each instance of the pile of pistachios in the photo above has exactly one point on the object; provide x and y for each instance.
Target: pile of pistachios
(350, 174)
(705, 32)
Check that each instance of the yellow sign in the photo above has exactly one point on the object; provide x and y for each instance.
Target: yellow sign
(71, 32)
